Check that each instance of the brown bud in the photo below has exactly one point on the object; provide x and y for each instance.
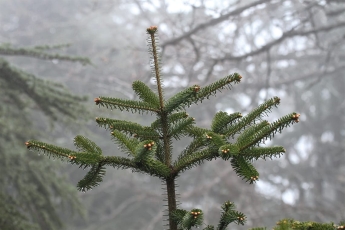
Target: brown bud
(151, 29)
(196, 88)
(295, 117)
(97, 100)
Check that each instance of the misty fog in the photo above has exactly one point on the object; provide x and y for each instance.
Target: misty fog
(293, 49)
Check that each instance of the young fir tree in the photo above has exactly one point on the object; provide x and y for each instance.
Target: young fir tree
(232, 137)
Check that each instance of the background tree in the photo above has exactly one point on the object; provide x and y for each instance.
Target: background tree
(32, 194)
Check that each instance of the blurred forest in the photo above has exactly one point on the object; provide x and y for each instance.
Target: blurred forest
(294, 49)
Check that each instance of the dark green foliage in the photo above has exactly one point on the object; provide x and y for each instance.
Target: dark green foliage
(251, 131)
(149, 148)
(222, 120)
(290, 224)
(144, 151)
(266, 131)
(253, 116)
(229, 215)
(263, 152)
(51, 98)
(118, 162)
(146, 94)
(41, 53)
(50, 150)
(125, 105)
(228, 150)
(195, 94)
(217, 86)
(84, 158)
(190, 160)
(11, 218)
(30, 185)
(92, 178)
(244, 169)
(180, 128)
(187, 220)
(127, 127)
(172, 118)
(86, 145)
(29, 193)
(126, 144)
(154, 168)
(182, 99)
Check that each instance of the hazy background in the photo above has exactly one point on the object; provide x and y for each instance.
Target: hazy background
(294, 49)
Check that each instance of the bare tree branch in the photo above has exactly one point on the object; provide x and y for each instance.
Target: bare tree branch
(285, 35)
(212, 22)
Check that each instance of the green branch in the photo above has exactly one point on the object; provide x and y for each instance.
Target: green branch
(125, 105)
(267, 131)
(152, 40)
(207, 91)
(256, 153)
(252, 117)
(131, 128)
(37, 52)
(146, 94)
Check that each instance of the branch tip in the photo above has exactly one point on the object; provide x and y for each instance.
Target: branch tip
(295, 117)
(97, 100)
(152, 29)
(196, 88)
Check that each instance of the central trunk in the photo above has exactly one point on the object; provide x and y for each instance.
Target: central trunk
(170, 182)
